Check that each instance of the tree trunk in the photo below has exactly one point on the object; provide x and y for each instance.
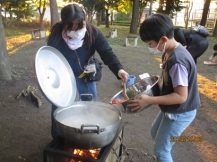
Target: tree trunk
(107, 18)
(89, 16)
(169, 6)
(161, 4)
(150, 9)
(54, 12)
(205, 12)
(98, 18)
(112, 14)
(215, 30)
(187, 13)
(5, 69)
(41, 18)
(135, 17)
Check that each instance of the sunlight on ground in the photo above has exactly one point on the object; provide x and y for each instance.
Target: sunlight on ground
(205, 148)
(207, 87)
(158, 59)
(15, 43)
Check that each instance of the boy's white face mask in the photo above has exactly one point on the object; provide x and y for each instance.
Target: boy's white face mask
(154, 50)
(77, 35)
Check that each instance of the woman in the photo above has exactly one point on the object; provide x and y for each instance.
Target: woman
(78, 40)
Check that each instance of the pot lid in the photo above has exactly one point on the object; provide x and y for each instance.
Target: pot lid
(55, 76)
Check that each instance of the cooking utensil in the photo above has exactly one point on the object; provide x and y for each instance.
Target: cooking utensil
(82, 124)
(124, 92)
(147, 85)
(131, 80)
(55, 76)
(88, 125)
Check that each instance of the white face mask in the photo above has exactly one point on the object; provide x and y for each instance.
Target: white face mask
(77, 35)
(154, 50)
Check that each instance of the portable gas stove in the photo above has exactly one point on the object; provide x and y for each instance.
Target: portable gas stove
(58, 151)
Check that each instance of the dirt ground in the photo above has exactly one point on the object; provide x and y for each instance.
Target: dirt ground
(25, 128)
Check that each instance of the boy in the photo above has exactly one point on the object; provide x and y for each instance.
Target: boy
(179, 95)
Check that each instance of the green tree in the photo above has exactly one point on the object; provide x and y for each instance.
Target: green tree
(109, 5)
(125, 6)
(7, 9)
(98, 6)
(170, 6)
(22, 9)
(41, 7)
(89, 7)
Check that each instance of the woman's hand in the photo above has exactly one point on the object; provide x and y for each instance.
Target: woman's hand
(139, 102)
(123, 75)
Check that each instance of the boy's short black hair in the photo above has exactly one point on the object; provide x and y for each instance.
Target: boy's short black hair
(156, 26)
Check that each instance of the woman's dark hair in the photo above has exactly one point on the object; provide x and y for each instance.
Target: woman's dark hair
(70, 14)
(156, 26)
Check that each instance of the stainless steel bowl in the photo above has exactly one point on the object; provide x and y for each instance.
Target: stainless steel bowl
(147, 85)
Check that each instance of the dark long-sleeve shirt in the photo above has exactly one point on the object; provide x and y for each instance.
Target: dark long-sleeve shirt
(79, 58)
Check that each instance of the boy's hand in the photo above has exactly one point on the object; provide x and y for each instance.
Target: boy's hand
(139, 102)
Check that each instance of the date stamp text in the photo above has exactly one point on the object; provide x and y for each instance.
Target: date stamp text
(186, 138)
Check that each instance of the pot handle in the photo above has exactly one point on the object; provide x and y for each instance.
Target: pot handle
(83, 130)
(86, 97)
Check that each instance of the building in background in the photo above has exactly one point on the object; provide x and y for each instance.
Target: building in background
(194, 9)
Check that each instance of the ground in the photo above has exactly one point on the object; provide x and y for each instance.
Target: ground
(25, 128)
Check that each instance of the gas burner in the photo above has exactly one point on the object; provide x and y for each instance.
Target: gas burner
(59, 151)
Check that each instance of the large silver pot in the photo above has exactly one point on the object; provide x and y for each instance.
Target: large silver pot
(87, 124)
(82, 124)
